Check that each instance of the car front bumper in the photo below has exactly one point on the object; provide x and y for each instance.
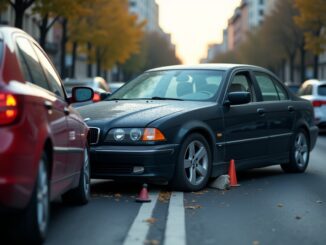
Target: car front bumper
(155, 163)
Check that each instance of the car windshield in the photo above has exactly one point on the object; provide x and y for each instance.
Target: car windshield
(172, 85)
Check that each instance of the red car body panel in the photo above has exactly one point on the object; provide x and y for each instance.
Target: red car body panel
(61, 133)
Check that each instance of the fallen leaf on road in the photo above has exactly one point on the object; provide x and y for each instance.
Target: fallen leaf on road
(198, 193)
(255, 243)
(152, 242)
(150, 220)
(280, 205)
(193, 207)
(319, 201)
(164, 196)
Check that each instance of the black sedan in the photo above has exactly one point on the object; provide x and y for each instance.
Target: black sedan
(182, 125)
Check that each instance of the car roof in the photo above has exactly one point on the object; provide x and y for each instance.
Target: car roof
(216, 66)
(315, 82)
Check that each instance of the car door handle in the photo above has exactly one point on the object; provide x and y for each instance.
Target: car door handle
(261, 111)
(48, 105)
(66, 110)
(290, 108)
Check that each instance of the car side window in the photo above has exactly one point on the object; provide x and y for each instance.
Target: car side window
(32, 69)
(267, 87)
(50, 73)
(282, 94)
(241, 83)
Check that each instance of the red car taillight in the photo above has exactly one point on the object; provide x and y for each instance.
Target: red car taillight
(318, 103)
(96, 97)
(8, 108)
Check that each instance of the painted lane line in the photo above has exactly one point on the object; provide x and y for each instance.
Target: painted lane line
(175, 231)
(139, 228)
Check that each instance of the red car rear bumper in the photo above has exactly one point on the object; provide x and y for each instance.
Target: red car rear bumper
(18, 168)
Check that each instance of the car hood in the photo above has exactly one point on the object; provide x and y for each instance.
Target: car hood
(134, 113)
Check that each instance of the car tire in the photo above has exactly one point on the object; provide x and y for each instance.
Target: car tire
(194, 164)
(299, 153)
(81, 194)
(30, 226)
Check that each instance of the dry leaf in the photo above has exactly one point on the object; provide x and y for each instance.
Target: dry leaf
(164, 197)
(150, 220)
(152, 242)
(255, 243)
(193, 207)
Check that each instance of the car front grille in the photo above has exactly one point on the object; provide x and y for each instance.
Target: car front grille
(93, 136)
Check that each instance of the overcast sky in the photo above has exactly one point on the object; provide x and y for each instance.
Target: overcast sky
(194, 24)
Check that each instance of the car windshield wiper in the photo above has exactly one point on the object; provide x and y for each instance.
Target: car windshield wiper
(164, 98)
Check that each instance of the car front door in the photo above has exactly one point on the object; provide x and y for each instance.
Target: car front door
(245, 125)
(280, 115)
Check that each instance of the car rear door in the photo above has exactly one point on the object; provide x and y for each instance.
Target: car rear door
(50, 107)
(245, 125)
(280, 115)
(73, 149)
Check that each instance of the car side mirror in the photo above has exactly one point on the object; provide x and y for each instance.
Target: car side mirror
(238, 98)
(81, 94)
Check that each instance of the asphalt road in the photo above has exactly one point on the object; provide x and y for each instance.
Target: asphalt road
(269, 207)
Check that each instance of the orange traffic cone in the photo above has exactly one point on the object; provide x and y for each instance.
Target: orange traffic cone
(233, 174)
(143, 195)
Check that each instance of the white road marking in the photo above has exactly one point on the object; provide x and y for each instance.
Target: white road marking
(139, 229)
(175, 231)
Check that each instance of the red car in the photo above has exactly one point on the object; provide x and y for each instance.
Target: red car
(43, 140)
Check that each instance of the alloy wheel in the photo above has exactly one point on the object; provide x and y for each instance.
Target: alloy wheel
(301, 149)
(196, 162)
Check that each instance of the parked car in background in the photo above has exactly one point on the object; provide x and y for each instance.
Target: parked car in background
(98, 84)
(315, 92)
(183, 124)
(293, 87)
(43, 140)
(115, 86)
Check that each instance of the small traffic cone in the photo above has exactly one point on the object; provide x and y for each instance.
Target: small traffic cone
(233, 174)
(143, 195)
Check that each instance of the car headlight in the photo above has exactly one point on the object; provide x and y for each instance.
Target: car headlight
(119, 134)
(133, 135)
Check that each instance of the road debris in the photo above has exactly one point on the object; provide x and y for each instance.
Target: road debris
(150, 220)
(280, 205)
(193, 207)
(221, 183)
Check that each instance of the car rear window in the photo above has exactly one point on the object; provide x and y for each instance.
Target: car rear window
(322, 90)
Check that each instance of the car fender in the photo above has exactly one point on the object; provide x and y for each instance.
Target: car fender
(199, 127)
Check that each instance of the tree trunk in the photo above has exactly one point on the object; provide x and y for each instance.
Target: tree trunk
(63, 48)
(74, 56)
(89, 64)
(43, 30)
(316, 61)
(98, 62)
(20, 7)
(302, 64)
(19, 15)
(291, 61)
